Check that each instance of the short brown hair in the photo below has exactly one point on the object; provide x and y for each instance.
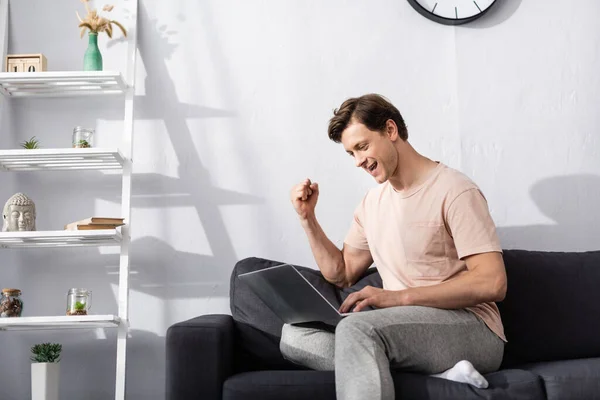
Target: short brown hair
(371, 110)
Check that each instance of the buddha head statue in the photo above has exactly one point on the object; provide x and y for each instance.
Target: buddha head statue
(18, 214)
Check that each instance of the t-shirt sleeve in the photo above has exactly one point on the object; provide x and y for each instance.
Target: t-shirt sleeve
(356, 236)
(470, 224)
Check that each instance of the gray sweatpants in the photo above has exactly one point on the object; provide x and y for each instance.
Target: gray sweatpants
(412, 338)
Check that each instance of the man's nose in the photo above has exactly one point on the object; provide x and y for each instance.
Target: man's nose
(21, 217)
(359, 160)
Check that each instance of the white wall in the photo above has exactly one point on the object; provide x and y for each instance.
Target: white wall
(232, 109)
(528, 96)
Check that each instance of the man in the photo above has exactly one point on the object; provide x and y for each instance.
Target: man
(428, 230)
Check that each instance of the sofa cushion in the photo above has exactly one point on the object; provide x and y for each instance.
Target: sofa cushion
(551, 306)
(570, 379)
(258, 328)
(510, 384)
(277, 385)
(316, 385)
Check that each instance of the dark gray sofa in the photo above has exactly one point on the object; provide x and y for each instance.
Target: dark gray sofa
(551, 316)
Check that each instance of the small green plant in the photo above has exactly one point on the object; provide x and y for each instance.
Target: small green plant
(82, 144)
(32, 143)
(46, 352)
(79, 306)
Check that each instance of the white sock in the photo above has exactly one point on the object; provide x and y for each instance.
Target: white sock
(464, 372)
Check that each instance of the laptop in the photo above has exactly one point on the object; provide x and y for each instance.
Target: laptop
(291, 296)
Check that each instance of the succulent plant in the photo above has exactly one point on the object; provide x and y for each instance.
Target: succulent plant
(46, 352)
(32, 143)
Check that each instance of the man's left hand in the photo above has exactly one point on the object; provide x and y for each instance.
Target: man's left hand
(371, 296)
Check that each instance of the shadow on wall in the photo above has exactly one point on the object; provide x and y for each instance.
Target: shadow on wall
(573, 203)
(89, 370)
(158, 269)
(156, 261)
(500, 12)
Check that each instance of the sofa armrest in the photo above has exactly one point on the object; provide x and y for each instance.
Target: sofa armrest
(199, 357)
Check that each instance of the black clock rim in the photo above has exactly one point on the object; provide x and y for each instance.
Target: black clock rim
(447, 21)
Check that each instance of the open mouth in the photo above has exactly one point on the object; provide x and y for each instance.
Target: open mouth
(372, 167)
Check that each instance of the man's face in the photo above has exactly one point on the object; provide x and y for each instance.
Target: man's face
(372, 151)
(20, 218)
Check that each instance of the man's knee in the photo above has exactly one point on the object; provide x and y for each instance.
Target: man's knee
(251, 264)
(308, 347)
(296, 337)
(353, 327)
(287, 336)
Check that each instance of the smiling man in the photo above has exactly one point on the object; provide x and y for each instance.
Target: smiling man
(428, 230)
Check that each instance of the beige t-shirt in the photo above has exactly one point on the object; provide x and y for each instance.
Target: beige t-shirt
(418, 237)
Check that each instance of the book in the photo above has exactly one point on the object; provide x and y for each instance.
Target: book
(95, 223)
(91, 227)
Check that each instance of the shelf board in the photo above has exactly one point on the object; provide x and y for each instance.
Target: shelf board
(60, 159)
(61, 83)
(63, 238)
(62, 322)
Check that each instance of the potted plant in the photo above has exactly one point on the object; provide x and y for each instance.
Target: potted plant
(78, 309)
(32, 143)
(45, 371)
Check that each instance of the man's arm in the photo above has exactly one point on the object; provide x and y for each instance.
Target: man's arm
(341, 268)
(483, 282)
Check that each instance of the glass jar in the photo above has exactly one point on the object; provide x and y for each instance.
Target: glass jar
(83, 137)
(79, 301)
(11, 304)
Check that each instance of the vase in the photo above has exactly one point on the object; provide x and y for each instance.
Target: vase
(92, 60)
(44, 381)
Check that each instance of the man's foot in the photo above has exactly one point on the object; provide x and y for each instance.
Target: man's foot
(464, 372)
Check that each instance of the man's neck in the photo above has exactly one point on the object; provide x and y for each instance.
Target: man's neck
(413, 169)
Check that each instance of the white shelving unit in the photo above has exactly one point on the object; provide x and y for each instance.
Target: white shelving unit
(77, 83)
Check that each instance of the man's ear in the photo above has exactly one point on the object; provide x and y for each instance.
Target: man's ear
(391, 130)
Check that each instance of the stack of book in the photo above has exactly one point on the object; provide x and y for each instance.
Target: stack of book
(93, 223)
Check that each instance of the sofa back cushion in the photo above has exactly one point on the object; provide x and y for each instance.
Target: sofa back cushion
(552, 306)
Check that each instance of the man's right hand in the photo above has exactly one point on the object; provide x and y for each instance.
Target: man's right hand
(304, 198)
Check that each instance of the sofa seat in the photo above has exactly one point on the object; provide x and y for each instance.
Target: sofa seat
(280, 385)
(510, 384)
(570, 379)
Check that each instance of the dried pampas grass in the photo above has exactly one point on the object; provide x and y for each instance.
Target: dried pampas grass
(95, 23)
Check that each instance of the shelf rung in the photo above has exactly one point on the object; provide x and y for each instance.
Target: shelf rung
(59, 322)
(65, 83)
(60, 159)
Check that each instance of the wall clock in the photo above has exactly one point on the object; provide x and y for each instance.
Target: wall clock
(452, 12)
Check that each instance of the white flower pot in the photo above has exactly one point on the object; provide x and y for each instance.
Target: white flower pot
(44, 381)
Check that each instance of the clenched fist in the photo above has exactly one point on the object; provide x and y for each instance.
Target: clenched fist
(304, 198)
